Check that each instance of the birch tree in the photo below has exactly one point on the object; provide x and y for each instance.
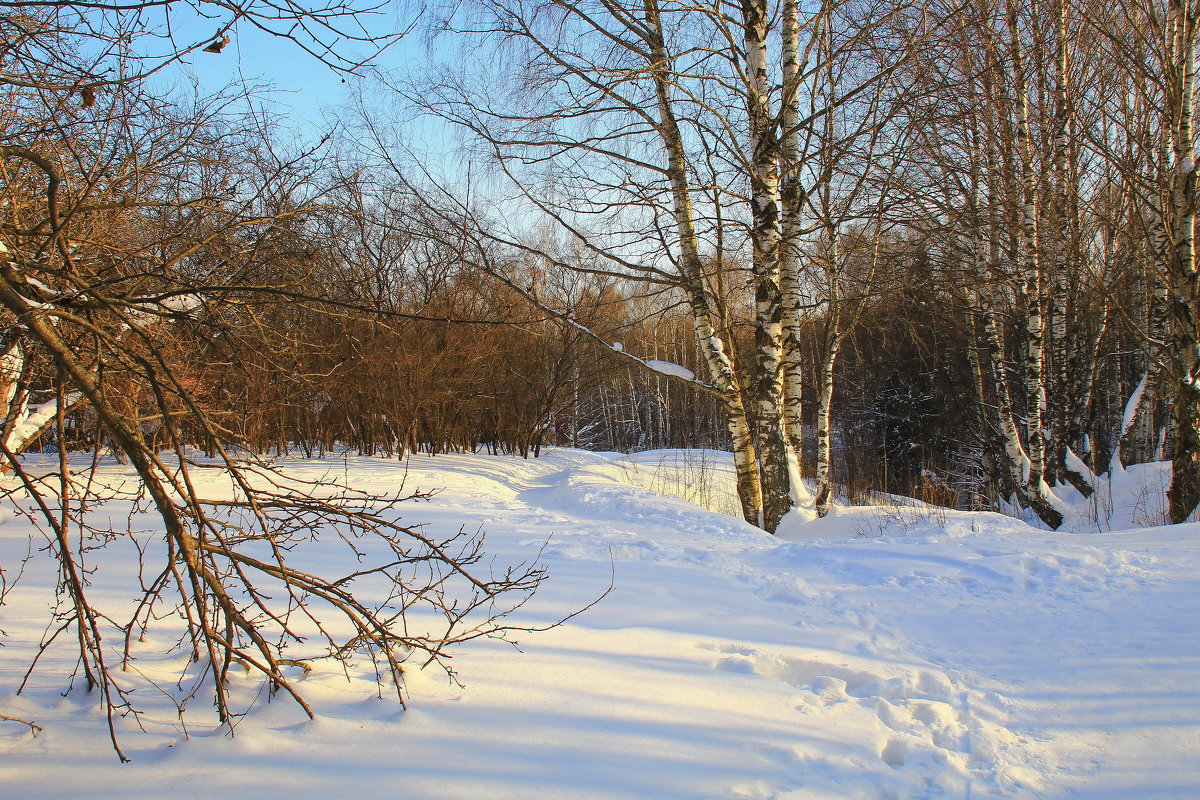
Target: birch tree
(1153, 48)
(1183, 276)
(995, 175)
(670, 141)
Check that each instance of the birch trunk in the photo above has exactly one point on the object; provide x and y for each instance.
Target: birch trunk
(790, 279)
(1064, 403)
(23, 423)
(701, 305)
(832, 342)
(1029, 268)
(768, 329)
(1016, 459)
(1184, 494)
(986, 410)
(1028, 262)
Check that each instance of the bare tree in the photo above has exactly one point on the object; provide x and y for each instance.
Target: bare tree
(1148, 142)
(670, 143)
(138, 229)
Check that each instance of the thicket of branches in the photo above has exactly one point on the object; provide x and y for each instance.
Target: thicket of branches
(943, 249)
(170, 295)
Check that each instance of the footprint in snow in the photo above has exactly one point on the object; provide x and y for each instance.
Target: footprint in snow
(928, 723)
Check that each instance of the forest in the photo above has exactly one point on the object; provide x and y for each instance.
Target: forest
(942, 249)
(900, 247)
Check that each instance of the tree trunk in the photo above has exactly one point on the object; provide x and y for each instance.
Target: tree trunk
(791, 206)
(824, 479)
(1184, 494)
(765, 240)
(704, 318)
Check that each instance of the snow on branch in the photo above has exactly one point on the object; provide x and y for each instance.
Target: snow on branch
(671, 370)
(666, 368)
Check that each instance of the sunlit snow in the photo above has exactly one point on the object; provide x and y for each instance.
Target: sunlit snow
(886, 651)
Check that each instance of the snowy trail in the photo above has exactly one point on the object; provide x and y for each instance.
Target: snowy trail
(913, 725)
(962, 656)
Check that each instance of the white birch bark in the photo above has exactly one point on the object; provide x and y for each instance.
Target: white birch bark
(704, 317)
(831, 344)
(22, 423)
(1030, 271)
(1184, 311)
(765, 240)
(790, 275)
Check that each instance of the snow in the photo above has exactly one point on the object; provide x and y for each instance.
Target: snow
(1077, 465)
(1132, 405)
(890, 651)
(671, 369)
(182, 302)
(33, 421)
(148, 312)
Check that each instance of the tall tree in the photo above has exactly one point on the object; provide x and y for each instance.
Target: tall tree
(669, 141)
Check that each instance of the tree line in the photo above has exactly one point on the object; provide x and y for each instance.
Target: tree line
(794, 175)
(166, 289)
(860, 228)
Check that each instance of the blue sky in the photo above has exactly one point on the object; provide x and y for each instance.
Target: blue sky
(304, 90)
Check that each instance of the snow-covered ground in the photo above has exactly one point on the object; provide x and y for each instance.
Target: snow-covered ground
(883, 652)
